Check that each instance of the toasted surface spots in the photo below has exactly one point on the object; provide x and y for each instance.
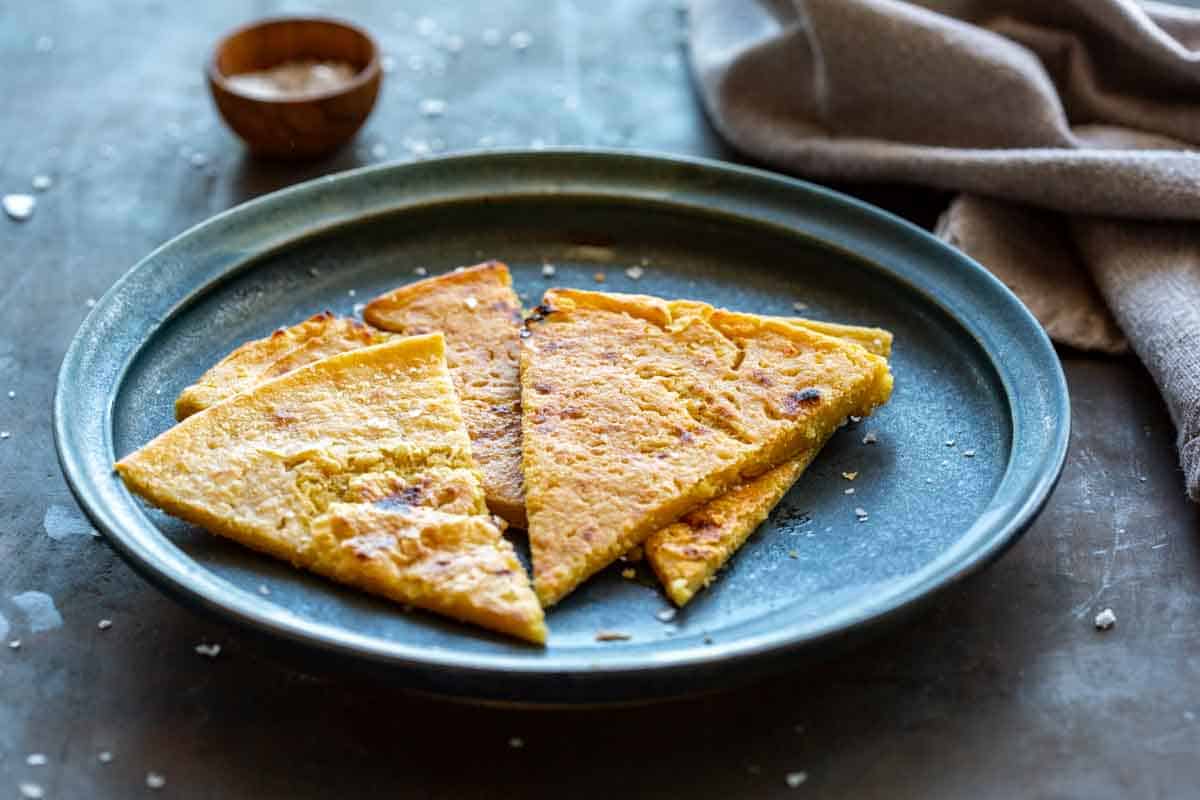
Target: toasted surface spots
(478, 311)
(686, 554)
(637, 410)
(263, 359)
(375, 425)
(262, 465)
(453, 564)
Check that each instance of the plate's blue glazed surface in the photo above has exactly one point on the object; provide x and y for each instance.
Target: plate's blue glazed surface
(966, 453)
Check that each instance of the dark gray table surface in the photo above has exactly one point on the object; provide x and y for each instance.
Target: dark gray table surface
(1004, 689)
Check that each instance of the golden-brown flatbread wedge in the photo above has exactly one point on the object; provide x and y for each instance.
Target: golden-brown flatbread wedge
(263, 359)
(637, 410)
(378, 424)
(478, 311)
(686, 554)
(456, 565)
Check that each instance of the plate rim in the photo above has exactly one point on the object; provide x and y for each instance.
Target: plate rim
(187, 583)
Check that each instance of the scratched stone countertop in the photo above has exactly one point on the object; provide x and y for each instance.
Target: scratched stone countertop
(1004, 689)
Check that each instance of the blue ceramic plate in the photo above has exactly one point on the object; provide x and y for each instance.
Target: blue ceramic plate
(965, 455)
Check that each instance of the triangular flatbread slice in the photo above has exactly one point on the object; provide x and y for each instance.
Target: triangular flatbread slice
(480, 314)
(283, 351)
(456, 565)
(688, 553)
(637, 410)
(378, 425)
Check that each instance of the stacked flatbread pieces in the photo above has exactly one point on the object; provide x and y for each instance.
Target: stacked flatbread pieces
(637, 410)
(606, 423)
(358, 467)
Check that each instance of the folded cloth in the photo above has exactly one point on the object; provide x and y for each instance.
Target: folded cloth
(1069, 127)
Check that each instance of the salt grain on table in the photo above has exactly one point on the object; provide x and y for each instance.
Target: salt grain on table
(105, 757)
(634, 273)
(432, 107)
(209, 650)
(15, 644)
(36, 759)
(1105, 619)
(104, 624)
(19, 206)
(155, 781)
(31, 791)
(794, 779)
(520, 40)
(42, 182)
(420, 271)
(870, 438)
(666, 615)
(548, 270)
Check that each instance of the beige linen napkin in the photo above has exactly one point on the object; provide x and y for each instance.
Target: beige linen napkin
(1067, 125)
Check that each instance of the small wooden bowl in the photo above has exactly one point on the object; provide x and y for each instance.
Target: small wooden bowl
(301, 126)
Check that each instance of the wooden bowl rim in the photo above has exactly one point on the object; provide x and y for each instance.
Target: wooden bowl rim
(364, 76)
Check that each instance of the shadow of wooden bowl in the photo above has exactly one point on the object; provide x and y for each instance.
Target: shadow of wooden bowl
(295, 126)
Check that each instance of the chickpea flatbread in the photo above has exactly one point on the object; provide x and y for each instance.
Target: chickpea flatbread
(636, 410)
(687, 554)
(480, 314)
(263, 359)
(274, 468)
